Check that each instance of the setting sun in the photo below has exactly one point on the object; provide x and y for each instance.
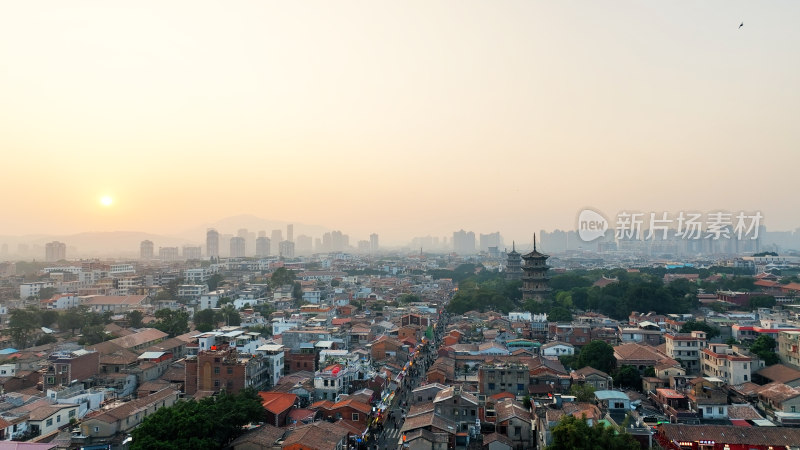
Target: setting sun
(106, 200)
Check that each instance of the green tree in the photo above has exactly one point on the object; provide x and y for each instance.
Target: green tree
(650, 371)
(628, 376)
(71, 320)
(409, 298)
(205, 320)
(211, 423)
(281, 277)
(559, 314)
(135, 318)
(23, 326)
(230, 315)
(764, 348)
(48, 317)
(761, 301)
(582, 392)
(297, 291)
(172, 322)
(572, 433)
(46, 339)
(598, 355)
(711, 330)
(93, 334)
(45, 293)
(214, 281)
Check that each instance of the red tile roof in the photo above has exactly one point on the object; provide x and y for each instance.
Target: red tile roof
(277, 402)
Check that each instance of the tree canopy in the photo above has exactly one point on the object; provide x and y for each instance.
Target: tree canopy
(598, 355)
(764, 348)
(710, 330)
(280, 277)
(172, 322)
(210, 423)
(572, 433)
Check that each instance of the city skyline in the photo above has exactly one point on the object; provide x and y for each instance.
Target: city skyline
(407, 119)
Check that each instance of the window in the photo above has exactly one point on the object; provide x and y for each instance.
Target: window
(745, 378)
(419, 398)
(517, 431)
(216, 383)
(216, 370)
(793, 408)
(355, 417)
(491, 386)
(721, 410)
(71, 413)
(49, 422)
(96, 429)
(708, 410)
(520, 387)
(230, 370)
(58, 418)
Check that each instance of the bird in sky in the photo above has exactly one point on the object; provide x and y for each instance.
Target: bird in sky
(741, 25)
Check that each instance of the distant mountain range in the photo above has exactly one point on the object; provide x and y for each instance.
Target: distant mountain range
(126, 243)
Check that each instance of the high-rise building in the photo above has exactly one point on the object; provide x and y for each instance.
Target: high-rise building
(303, 245)
(262, 246)
(373, 243)
(535, 282)
(276, 238)
(212, 243)
(192, 252)
(55, 251)
(513, 264)
(168, 253)
(363, 247)
(238, 247)
(146, 250)
(290, 232)
(286, 249)
(490, 240)
(464, 242)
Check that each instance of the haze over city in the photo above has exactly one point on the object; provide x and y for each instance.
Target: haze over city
(406, 119)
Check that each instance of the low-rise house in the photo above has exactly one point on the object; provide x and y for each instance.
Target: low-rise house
(101, 427)
(277, 406)
(556, 348)
(514, 422)
(317, 436)
(707, 398)
(590, 376)
(722, 361)
(686, 348)
(458, 406)
(49, 418)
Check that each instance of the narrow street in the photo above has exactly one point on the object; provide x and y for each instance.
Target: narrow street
(390, 438)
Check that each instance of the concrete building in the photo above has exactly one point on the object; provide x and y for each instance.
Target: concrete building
(146, 250)
(212, 243)
(723, 362)
(374, 245)
(238, 247)
(262, 247)
(686, 348)
(168, 254)
(223, 368)
(55, 251)
(192, 252)
(286, 249)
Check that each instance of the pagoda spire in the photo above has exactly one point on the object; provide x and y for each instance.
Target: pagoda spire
(534, 241)
(513, 246)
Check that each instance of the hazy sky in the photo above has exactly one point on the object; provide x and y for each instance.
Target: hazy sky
(405, 118)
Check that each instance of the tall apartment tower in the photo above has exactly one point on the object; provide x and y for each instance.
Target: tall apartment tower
(146, 250)
(290, 232)
(212, 243)
(262, 247)
(513, 264)
(464, 242)
(373, 242)
(238, 246)
(535, 282)
(276, 238)
(55, 251)
(286, 249)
